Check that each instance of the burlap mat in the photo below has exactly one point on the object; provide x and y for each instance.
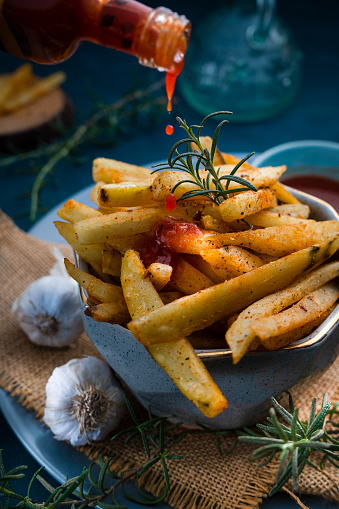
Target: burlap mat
(203, 479)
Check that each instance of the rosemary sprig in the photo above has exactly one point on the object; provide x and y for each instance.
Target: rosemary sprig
(293, 442)
(213, 186)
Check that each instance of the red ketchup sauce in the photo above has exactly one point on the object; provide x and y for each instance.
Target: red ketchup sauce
(170, 236)
(325, 188)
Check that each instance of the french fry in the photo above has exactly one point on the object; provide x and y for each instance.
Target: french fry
(73, 211)
(13, 83)
(292, 209)
(34, 91)
(277, 342)
(213, 224)
(266, 218)
(231, 261)
(102, 228)
(240, 335)
(306, 310)
(102, 291)
(206, 142)
(194, 312)
(283, 194)
(110, 170)
(159, 275)
(260, 177)
(111, 262)
(275, 240)
(126, 194)
(90, 253)
(199, 263)
(178, 359)
(247, 203)
(188, 279)
(113, 312)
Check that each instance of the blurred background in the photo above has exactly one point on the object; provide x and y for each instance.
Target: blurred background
(97, 75)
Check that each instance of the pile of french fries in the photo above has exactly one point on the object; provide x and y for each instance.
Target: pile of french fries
(260, 273)
(21, 88)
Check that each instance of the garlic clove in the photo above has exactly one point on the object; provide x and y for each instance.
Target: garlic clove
(84, 401)
(48, 312)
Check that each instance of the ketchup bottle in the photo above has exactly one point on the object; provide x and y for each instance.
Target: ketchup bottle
(49, 31)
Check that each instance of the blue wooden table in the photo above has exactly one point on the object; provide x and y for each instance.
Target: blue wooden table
(314, 115)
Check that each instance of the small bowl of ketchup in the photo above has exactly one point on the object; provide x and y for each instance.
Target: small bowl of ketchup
(312, 167)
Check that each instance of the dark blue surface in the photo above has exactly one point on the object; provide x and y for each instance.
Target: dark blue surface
(313, 116)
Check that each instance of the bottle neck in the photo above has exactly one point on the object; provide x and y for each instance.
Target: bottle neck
(158, 37)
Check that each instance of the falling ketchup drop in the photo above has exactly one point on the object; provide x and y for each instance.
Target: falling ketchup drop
(170, 85)
(169, 129)
(170, 202)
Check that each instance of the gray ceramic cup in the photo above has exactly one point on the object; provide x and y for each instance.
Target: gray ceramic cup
(248, 385)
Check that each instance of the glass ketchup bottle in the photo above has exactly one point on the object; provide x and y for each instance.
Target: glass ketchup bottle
(49, 31)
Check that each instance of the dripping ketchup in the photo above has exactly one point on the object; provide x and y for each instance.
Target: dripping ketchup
(170, 202)
(322, 187)
(170, 85)
(170, 236)
(169, 129)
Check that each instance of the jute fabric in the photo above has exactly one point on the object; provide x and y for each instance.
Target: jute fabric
(203, 479)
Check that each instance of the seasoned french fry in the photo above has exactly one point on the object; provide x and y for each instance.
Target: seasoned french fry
(126, 194)
(105, 292)
(111, 262)
(178, 359)
(110, 170)
(159, 275)
(112, 312)
(194, 312)
(73, 211)
(91, 253)
(13, 83)
(213, 224)
(283, 194)
(285, 339)
(244, 204)
(231, 261)
(102, 228)
(306, 310)
(102, 291)
(199, 263)
(293, 209)
(34, 91)
(240, 335)
(266, 218)
(275, 240)
(188, 279)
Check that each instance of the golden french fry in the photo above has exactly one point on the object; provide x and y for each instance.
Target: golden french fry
(206, 142)
(231, 261)
(13, 83)
(178, 359)
(159, 275)
(283, 194)
(111, 262)
(244, 204)
(34, 91)
(105, 292)
(102, 228)
(266, 218)
(285, 339)
(91, 253)
(213, 224)
(293, 210)
(126, 194)
(275, 240)
(240, 335)
(188, 279)
(102, 291)
(306, 310)
(204, 267)
(194, 312)
(110, 170)
(113, 312)
(73, 211)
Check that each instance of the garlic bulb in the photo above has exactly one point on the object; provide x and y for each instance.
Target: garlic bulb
(48, 311)
(84, 401)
